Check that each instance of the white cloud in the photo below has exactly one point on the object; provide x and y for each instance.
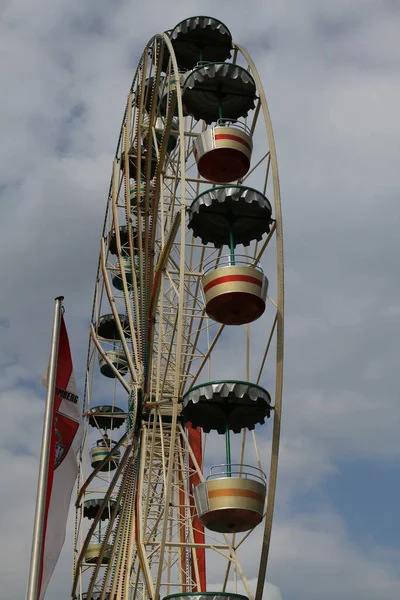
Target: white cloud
(316, 559)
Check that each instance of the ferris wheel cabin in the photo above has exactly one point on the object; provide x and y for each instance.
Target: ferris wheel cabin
(223, 152)
(118, 361)
(92, 507)
(101, 450)
(235, 288)
(232, 498)
(97, 551)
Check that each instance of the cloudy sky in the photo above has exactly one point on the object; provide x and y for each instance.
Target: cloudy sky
(331, 74)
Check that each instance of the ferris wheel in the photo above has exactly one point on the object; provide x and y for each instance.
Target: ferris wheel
(183, 389)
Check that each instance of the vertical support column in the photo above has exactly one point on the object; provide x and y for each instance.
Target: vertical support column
(182, 529)
(195, 441)
(220, 112)
(231, 245)
(228, 448)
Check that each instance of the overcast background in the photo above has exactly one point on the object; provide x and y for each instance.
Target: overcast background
(331, 71)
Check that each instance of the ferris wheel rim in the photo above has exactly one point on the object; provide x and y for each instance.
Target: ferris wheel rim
(280, 334)
(279, 242)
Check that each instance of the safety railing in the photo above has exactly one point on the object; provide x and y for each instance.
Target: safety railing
(237, 470)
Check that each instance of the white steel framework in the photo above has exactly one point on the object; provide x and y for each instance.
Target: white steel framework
(152, 544)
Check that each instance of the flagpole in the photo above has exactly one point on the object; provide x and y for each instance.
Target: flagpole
(38, 530)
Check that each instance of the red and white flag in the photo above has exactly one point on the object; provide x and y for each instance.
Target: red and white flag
(66, 439)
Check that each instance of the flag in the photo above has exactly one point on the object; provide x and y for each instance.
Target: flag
(66, 439)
